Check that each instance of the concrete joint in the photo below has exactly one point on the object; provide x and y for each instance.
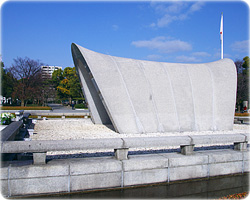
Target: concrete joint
(39, 158)
(240, 146)
(187, 149)
(121, 154)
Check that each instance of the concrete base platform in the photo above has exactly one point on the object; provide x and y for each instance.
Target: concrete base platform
(64, 176)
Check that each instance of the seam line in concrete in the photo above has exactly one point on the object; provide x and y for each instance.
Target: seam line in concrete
(192, 92)
(74, 175)
(192, 141)
(69, 179)
(122, 174)
(137, 120)
(243, 158)
(160, 127)
(9, 191)
(208, 166)
(244, 136)
(123, 143)
(173, 96)
(213, 100)
(168, 172)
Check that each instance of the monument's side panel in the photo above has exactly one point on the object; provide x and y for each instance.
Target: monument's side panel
(144, 96)
(224, 77)
(202, 95)
(162, 97)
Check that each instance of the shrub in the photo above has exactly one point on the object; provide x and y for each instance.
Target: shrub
(6, 118)
(80, 106)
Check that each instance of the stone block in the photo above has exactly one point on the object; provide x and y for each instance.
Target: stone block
(145, 176)
(178, 160)
(39, 158)
(4, 188)
(4, 173)
(95, 181)
(95, 166)
(36, 171)
(188, 172)
(221, 156)
(217, 139)
(187, 149)
(39, 185)
(121, 154)
(246, 166)
(141, 162)
(225, 168)
(240, 146)
(246, 155)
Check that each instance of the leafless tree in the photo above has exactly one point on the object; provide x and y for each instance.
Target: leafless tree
(28, 74)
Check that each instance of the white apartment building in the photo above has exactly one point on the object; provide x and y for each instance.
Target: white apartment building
(48, 70)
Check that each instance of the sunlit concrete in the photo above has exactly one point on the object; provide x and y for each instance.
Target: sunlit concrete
(139, 96)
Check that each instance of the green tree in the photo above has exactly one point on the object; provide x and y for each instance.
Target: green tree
(242, 80)
(57, 77)
(67, 84)
(8, 82)
(245, 65)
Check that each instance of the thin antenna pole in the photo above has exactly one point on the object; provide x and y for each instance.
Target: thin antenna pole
(221, 35)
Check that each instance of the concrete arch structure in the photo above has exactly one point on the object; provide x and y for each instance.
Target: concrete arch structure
(139, 96)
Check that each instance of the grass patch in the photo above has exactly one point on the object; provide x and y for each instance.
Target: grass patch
(25, 108)
(242, 114)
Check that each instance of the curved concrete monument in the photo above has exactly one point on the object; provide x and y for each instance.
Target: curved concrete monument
(139, 96)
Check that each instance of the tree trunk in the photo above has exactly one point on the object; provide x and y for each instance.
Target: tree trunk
(22, 102)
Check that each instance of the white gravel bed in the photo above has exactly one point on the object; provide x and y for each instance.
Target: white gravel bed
(72, 129)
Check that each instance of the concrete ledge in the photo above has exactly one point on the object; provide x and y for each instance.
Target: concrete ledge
(118, 143)
(156, 141)
(24, 178)
(10, 132)
(60, 145)
(217, 139)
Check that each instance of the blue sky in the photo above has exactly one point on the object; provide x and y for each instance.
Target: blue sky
(179, 31)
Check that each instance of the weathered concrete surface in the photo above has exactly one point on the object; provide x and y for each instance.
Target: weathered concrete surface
(23, 178)
(157, 97)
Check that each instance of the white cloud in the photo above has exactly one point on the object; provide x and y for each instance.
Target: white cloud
(201, 54)
(187, 59)
(241, 46)
(163, 44)
(174, 12)
(196, 6)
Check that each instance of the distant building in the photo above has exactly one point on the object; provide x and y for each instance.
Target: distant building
(47, 71)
